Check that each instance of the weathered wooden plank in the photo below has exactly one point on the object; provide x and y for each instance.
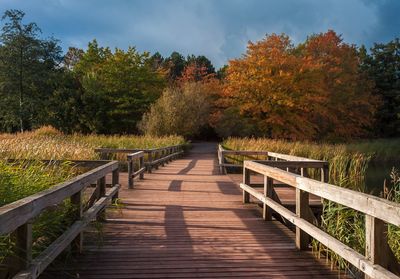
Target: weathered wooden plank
(76, 201)
(283, 164)
(352, 256)
(288, 157)
(139, 172)
(268, 192)
(374, 206)
(20, 212)
(135, 155)
(376, 242)
(275, 173)
(246, 180)
(40, 263)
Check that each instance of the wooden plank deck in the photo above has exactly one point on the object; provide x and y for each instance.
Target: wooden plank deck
(187, 221)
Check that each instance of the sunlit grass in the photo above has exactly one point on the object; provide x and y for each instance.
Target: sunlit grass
(49, 144)
(29, 175)
(348, 164)
(22, 179)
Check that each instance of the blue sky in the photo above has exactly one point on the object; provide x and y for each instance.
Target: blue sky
(218, 29)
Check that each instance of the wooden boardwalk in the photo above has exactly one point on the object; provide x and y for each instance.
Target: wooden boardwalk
(186, 221)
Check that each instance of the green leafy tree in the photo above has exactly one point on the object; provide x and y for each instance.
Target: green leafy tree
(118, 88)
(382, 65)
(28, 65)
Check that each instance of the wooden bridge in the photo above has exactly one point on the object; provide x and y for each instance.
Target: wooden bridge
(187, 220)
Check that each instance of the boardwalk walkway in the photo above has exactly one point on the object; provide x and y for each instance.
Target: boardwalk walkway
(186, 221)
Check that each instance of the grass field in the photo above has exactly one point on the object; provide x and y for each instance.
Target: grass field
(48, 143)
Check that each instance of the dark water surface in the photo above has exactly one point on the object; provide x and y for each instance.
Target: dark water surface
(377, 172)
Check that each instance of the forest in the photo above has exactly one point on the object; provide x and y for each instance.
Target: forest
(322, 89)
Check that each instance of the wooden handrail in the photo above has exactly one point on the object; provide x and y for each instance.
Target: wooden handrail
(131, 171)
(273, 159)
(378, 261)
(155, 158)
(17, 217)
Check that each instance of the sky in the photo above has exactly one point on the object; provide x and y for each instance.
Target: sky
(218, 29)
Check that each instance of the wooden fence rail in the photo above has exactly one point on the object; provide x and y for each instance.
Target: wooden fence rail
(16, 218)
(272, 159)
(148, 158)
(139, 156)
(378, 262)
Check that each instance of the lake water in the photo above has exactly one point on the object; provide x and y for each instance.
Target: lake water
(377, 172)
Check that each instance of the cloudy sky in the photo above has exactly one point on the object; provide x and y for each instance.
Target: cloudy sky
(219, 29)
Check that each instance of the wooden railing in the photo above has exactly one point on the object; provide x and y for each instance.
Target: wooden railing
(378, 262)
(284, 161)
(16, 218)
(137, 156)
(148, 158)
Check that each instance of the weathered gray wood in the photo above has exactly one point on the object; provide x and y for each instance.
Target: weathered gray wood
(76, 163)
(117, 150)
(150, 162)
(20, 212)
(130, 174)
(76, 201)
(40, 263)
(115, 181)
(288, 157)
(376, 242)
(101, 217)
(282, 164)
(325, 174)
(142, 166)
(268, 192)
(377, 207)
(246, 180)
(302, 210)
(23, 246)
(275, 173)
(352, 256)
(135, 155)
(139, 172)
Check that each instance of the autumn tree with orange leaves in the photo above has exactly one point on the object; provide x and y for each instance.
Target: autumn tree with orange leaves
(311, 91)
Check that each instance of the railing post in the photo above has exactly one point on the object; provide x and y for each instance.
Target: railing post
(220, 159)
(246, 180)
(302, 210)
(104, 155)
(156, 157)
(141, 165)
(130, 173)
(150, 157)
(23, 246)
(101, 184)
(162, 157)
(376, 242)
(268, 192)
(115, 181)
(325, 173)
(324, 176)
(169, 153)
(76, 201)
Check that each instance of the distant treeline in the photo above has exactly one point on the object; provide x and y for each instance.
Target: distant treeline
(321, 89)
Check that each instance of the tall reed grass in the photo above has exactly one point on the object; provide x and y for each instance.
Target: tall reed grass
(24, 178)
(49, 144)
(348, 165)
